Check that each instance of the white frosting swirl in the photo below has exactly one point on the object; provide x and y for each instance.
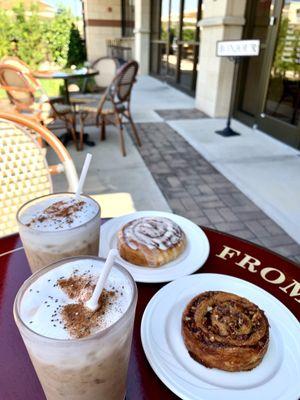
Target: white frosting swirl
(152, 232)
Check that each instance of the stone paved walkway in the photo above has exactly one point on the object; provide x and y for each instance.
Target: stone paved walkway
(189, 113)
(196, 190)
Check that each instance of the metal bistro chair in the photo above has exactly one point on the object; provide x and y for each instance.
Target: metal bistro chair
(114, 106)
(30, 99)
(24, 172)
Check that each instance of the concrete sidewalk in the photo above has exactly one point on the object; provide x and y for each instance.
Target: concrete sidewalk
(246, 185)
(110, 173)
(264, 169)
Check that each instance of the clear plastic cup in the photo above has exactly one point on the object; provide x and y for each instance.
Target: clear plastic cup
(44, 247)
(91, 368)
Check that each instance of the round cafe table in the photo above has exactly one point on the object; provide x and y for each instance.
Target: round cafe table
(229, 255)
(67, 77)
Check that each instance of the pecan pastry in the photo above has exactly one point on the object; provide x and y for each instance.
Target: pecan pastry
(151, 241)
(225, 331)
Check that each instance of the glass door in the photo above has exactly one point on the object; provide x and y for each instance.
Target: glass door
(170, 23)
(281, 104)
(189, 43)
(268, 90)
(175, 41)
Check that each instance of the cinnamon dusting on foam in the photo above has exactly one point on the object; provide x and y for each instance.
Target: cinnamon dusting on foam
(51, 303)
(78, 319)
(60, 211)
(77, 287)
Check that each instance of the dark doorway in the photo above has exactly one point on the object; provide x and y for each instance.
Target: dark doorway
(175, 41)
(269, 85)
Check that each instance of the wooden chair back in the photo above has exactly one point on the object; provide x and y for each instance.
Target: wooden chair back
(17, 86)
(24, 171)
(23, 67)
(107, 67)
(123, 82)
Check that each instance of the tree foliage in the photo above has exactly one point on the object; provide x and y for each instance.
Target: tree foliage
(57, 33)
(6, 29)
(34, 40)
(28, 35)
(76, 51)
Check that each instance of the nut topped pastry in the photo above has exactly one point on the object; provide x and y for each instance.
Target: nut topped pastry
(151, 241)
(225, 331)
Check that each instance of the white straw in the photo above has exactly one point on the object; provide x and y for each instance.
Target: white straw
(83, 174)
(92, 303)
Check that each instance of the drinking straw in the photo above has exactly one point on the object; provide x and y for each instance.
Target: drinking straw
(92, 303)
(83, 174)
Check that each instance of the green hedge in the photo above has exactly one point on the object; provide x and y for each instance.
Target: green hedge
(34, 40)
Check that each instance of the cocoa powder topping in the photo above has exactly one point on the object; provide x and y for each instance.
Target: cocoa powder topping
(80, 321)
(77, 287)
(58, 211)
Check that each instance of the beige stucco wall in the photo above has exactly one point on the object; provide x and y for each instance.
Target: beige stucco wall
(222, 20)
(103, 22)
(142, 35)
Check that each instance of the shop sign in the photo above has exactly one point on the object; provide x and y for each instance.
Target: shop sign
(238, 48)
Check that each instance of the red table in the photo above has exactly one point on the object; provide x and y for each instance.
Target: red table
(228, 255)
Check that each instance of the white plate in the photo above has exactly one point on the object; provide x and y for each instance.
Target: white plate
(276, 377)
(193, 257)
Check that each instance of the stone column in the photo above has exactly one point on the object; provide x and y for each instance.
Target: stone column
(103, 22)
(221, 20)
(142, 35)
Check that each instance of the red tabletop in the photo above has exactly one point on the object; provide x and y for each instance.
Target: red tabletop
(228, 255)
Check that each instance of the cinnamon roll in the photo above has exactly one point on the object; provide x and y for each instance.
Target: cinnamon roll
(225, 331)
(151, 241)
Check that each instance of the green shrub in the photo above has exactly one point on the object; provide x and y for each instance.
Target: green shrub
(34, 40)
(28, 34)
(57, 32)
(76, 51)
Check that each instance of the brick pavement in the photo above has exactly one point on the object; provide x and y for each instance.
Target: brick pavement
(188, 113)
(196, 190)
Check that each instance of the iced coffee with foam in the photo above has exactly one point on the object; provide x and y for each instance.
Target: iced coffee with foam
(78, 354)
(57, 226)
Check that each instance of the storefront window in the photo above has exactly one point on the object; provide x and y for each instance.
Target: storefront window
(175, 41)
(268, 94)
(127, 18)
(283, 98)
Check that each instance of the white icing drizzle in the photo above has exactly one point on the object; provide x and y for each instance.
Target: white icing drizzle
(152, 232)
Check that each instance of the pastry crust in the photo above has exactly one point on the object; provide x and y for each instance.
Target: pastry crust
(151, 241)
(225, 331)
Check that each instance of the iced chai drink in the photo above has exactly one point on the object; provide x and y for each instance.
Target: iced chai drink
(77, 353)
(57, 226)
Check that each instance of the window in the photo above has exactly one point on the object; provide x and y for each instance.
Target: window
(127, 18)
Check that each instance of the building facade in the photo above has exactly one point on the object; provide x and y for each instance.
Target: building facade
(175, 40)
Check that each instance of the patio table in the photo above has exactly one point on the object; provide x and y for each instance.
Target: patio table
(229, 255)
(68, 76)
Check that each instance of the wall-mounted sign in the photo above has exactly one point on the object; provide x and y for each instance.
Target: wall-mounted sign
(238, 48)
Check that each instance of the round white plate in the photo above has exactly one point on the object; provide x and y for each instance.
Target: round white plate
(276, 377)
(193, 257)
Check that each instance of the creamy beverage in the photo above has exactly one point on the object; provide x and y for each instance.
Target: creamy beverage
(77, 353)
(58, 226)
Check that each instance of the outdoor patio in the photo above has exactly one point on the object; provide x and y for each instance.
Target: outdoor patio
(237, 185)
(150, 214)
